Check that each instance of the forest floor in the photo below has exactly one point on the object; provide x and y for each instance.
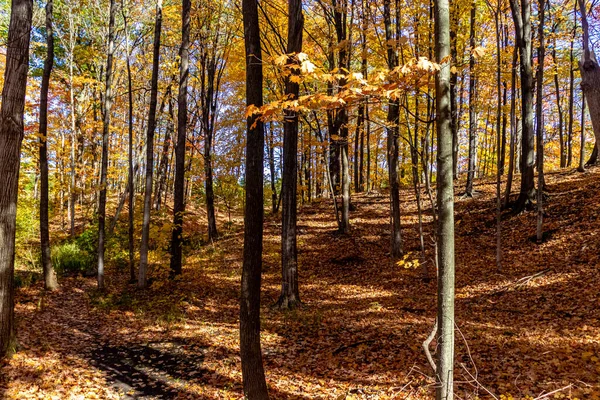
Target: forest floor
(529, 330)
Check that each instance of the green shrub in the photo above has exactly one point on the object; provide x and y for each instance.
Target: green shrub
(70, 258)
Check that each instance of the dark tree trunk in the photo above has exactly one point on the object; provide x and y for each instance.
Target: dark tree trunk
(290, 295)
(445, 204)
(179, 194)
(590, 75)
(131, 198)
(163, 166)
(150, 148)
(253, 374)
(453, 100)
(513, 128)
(105, 133)
(11, 137)
(521, 11)
(472, 102)
(50, 281)
(392, 140)
(539, 116)
(571, 96)
(581, 167)
(271, 153)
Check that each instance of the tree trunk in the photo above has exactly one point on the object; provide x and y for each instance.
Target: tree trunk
(540, 119)
(563, 146)
(142, 281)
(472, 102)
(522, 20)
(571, 95)
(271, 153)
(163, 166)
(581, 167)
(513, 128)
(590, 75)
(50, 281)
(392, 140)
(11, 137)
(253, 374)
(105, 133)
(179, 195)
(290, 296)
(445, 203)
(131, 201)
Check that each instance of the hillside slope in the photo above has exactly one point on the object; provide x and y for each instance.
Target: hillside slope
(530, 329)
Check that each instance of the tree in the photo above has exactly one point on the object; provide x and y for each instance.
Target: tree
(472, 116)
(590, 75)
(11, 137)
(539, 116)
(393, 119)
(50, 281)
(445, 204)
(290, 295)
(108, 98)
(150, 147)
(521, 12)
(130, 170)
(253, 374)
(179, 193)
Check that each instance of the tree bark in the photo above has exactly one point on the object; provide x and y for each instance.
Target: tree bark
(50, 281)
(290, 295)
(581, 167)
(253, 374)
(392, 140)
(179, 195)
(445, 203)
(521, 11)
(142, 281)
(105, 133)
(271, 154)
(590, 75)
(540, 120)
(472, 102)
(131, 198)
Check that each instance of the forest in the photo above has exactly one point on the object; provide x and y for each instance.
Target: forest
(318, 199)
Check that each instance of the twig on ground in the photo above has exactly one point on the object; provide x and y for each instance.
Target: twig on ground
(522, 281)
(553, 392)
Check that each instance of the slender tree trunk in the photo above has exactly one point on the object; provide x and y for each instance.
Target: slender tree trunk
(571, 92)
(179, 196)
(271, 153)
(590, 75)
(445, 203)
(540, 119)
(581, 167)
(50, 281)
(142, 281)
(453, 100)
(105, 133)
(513, 128)
(472, 102)
(290, 296)
(392, 140)
(499, 143)
(131, 197)
(563, 145)
(163, 166)
(253, 374)
(522, 20)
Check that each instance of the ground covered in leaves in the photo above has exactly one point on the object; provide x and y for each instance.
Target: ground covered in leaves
(523, 332)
